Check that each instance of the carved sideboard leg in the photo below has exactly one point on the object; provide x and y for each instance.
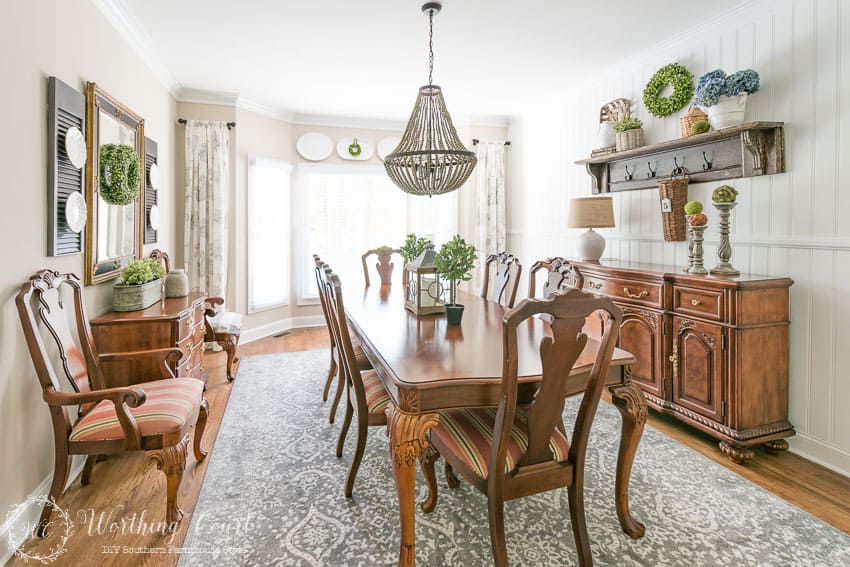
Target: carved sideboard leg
(629, 400)
(776, 446)
(427, 458)
(738, 454)
(171, 461)
(408, 437)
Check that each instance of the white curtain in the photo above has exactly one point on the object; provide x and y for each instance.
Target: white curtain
(207, 180)
(490, 223)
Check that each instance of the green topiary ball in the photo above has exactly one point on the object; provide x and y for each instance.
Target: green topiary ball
(724, 194)
(700, 127)
(693, 207)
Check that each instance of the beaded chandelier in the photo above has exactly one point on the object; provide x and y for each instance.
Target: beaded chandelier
(430, 159)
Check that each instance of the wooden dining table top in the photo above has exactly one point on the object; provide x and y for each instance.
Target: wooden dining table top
(426, 364)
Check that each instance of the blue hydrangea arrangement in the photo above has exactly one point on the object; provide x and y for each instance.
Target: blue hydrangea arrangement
(715, 84)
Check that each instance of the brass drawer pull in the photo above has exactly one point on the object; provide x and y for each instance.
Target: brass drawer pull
(696, 302)
(594, 285)
(629, 293)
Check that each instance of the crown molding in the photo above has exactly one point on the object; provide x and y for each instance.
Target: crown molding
(131, 31)
(349, 122)
(203, 96)
(266, 110)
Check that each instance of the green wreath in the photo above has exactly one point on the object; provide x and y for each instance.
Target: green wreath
(682, 82)
(120, 173)
(354, 148)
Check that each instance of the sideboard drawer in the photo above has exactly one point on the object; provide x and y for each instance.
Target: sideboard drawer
(628, 291)
(698, 302)
(185, 326)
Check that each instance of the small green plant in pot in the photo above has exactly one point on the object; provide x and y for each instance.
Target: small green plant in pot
(140, 285)
(411, 249)
(454, 262)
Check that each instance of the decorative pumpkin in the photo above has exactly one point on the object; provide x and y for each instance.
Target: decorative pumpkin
(698, 219)
(120, 174)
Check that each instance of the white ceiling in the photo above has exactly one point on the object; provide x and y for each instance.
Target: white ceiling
(367, 59)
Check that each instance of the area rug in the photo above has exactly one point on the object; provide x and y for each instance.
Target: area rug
(273, 495)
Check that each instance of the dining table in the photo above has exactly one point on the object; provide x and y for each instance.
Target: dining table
(428, 366)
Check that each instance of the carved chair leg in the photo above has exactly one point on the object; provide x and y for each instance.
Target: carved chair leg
(229, 345)
(451, 478)
(200, 426)
(85, 478)
(427, 458)
(575, 494)
(331, 374)
(362, 431)
(171, 461)
(340, 387)
(346, 423)
(60, 477)
(496, 513)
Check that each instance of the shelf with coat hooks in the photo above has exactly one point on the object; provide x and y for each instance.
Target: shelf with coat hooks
(749, 150)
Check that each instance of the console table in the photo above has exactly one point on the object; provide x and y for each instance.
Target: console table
(711, 351)
(172, 322)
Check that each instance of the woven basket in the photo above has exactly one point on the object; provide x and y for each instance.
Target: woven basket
(629, 140)
(693, 115)
(673, 216)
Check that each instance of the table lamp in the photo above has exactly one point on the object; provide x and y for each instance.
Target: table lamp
(590, 213)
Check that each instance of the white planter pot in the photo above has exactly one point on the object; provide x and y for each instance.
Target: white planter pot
(605, 135)
(728, 112)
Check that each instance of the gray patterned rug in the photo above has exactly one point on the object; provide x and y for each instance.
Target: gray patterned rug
(273, 495)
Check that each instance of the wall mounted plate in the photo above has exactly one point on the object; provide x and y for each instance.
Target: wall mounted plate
(76, 212)
(153, 176)
(314, 146)
(75, 147)
(367, 149)
(387, 145)
(153, 217)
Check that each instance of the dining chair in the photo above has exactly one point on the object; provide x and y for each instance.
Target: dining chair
(365, 393)
(384, 266)
(220, 326)
(560, 274)
(336, 365)
(512, 450)
(153, 416)
(505, 279)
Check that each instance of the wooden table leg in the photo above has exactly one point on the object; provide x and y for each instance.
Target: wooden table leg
(407, 433)
(629, 400)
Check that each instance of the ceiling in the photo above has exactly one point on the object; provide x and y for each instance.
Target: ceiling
(367, 59)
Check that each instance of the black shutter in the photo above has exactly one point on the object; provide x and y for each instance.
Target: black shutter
(151, 198)
(67, 108)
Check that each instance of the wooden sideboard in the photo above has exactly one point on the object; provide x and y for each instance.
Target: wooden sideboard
(711, 351)
(172, 322)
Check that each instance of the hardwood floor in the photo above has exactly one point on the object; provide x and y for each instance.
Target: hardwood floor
(131, 484)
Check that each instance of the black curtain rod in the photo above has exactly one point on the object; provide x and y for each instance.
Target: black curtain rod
(475, 142)
(229, 124)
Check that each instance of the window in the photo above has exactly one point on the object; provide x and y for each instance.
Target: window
(269, 225)
(343, 211)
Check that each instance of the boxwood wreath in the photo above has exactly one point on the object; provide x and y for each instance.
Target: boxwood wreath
(682, 82)
(120, 173)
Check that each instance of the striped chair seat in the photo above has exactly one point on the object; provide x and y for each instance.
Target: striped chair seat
(169, 405)
(468, 433)
(377, 397)
(360, 356)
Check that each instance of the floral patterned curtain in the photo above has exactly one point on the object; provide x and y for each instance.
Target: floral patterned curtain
(207, 178)
(490, 222)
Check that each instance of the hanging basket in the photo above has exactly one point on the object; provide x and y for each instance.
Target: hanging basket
(692, 116)
(673, 194)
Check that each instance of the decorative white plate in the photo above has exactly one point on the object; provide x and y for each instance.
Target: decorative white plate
(153, 218)
(153, 176)
(75, 147)
(76, 212)
(387, 145)
(367, 149)
(314, 146)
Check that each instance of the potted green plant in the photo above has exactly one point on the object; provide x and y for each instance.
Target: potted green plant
(411, 249)
(454, 262)
(629, 134)
(724, 97)
(140, 285)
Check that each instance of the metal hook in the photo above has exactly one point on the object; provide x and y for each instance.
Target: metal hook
(677, 170)
(651, 173)
(629, 175)
(707, 165)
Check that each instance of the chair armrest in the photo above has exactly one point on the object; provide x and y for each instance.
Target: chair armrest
(122, 398)
(163, 355)
(210, 310)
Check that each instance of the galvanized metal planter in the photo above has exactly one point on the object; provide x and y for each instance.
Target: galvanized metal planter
(136, 297)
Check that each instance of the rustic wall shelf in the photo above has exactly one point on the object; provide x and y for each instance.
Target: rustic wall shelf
(749, 150)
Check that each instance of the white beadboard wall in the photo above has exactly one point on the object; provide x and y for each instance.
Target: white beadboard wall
(795, 224)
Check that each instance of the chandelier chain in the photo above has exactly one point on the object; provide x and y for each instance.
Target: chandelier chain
(431, 47)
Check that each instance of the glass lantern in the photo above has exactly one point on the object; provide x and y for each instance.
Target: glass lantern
(425, 287)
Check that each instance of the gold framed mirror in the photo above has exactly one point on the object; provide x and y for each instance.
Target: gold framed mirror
(114, 229)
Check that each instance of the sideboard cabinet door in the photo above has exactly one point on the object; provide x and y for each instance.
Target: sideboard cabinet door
(698, 367)
(641, 334)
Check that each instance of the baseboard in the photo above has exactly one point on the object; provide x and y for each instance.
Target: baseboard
(8, 543)
(833, 458)
(279, 326)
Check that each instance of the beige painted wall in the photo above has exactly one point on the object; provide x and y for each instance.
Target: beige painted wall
(72, 41)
